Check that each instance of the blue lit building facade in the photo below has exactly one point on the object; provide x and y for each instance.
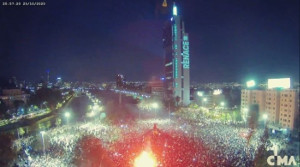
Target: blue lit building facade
(177, 59)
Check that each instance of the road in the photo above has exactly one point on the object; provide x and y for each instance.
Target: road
(127, 110)
(76, 106)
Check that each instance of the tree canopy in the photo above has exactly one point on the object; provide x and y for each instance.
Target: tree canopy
(51, 96)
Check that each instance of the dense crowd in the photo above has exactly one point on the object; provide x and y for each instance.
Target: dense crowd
(60, 143)
(195, 143)
(182, 141)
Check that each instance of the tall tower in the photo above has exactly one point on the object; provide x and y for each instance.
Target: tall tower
(177, 59)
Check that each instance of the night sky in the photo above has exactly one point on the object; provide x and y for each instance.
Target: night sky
(230, 40)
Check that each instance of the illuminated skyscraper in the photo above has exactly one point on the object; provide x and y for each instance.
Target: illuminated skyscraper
(177, 59)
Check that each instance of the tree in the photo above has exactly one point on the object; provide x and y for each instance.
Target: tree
(261, 154)
(58, 122)
(89, 150)
(18, 103)
(7, 154)
(51, 96)
(71, 92)
(3, 109)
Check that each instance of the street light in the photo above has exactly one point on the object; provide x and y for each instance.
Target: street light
(200, 94)
(204, 101)
(42, 133)
(155, 106)
(67, 115)
(265, 116)
(245, 115)
(91, 114)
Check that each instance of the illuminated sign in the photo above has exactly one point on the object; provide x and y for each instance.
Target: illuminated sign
(279, 83)
(217, 92)
(250, 83)
(186, 52)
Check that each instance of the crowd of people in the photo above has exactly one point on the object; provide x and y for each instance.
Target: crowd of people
(192, 143)
(184, 140)
(59, 143)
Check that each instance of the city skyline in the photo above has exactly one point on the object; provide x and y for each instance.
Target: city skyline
(230, 41)
(148, 83)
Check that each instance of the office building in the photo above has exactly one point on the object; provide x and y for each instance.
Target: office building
(288, 111)
(177, 61)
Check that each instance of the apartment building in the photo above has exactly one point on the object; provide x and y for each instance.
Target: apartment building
(288, 110)
(281, 105)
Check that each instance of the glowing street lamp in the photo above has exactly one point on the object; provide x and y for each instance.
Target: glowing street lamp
(145, 159)
(67, 115)
(246, 110)
(265, 117)
(204, 100)
(200, 94)
(42, 133)
(155, 106)
(91, 114)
